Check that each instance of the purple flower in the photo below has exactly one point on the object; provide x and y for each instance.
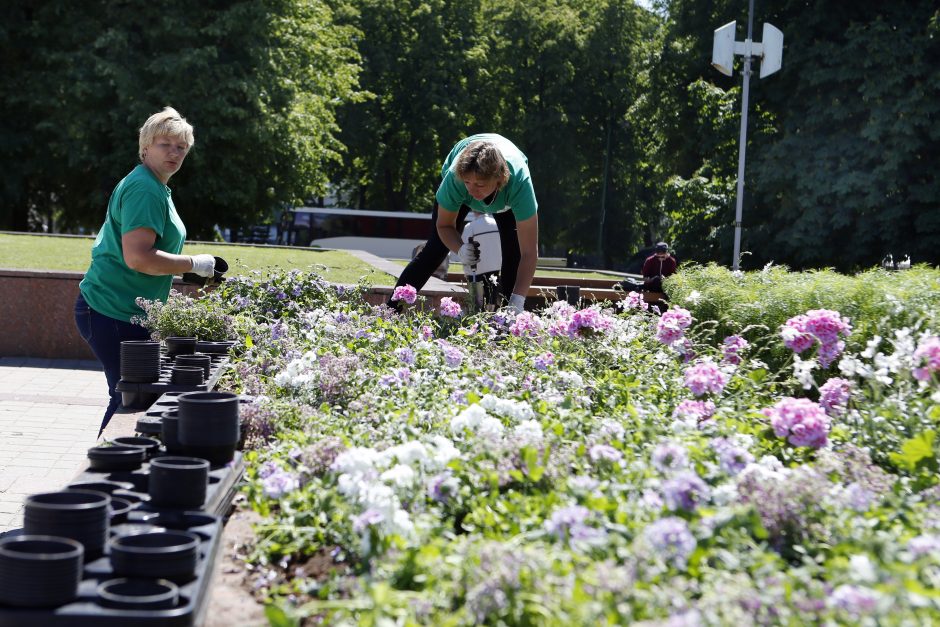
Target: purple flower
(671, 539)
(732, 458)
(570, 523)
(704, 376)
(449, 308)
(279, 483)
(685, 491)
(855, 600)
(924, 545)
(604, 453)
(669, 457)
(800, 420)
(405, 293)
(543, 361)
(453, 357)
(366, 519)
(405, 355)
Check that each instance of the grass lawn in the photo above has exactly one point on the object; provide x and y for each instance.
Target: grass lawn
(73, 253)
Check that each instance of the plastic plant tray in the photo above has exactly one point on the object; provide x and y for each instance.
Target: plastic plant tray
(87, 611)
(223, 482)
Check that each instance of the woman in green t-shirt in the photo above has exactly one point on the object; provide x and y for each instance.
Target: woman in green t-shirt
(138, 247)
(489, 174)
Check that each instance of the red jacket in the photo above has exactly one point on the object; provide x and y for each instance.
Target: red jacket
(653, 267)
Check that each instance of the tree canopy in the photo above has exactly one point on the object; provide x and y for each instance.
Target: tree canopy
(631, 135)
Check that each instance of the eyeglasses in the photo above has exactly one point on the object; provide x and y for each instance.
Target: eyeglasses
(166, 146)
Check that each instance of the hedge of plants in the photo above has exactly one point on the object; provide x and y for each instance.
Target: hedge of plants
(725, 462)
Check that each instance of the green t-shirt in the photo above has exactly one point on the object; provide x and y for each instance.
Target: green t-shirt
(140, 200)
(518, 195)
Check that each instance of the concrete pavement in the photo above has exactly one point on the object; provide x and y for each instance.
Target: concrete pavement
(50, 411)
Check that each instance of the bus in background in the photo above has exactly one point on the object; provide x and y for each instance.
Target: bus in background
(389, 234)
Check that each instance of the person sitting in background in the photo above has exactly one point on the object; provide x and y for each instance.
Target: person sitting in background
(657, 266)
(484, 232)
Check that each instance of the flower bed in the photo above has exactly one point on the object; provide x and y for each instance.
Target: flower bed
(584, 467)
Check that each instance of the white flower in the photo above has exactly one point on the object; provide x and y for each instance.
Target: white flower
(490, 428)
(467, 419)
(861, 570)
(529, 433)
(694, 297)
(803, 371)
(406, 453)
(399, 475)
(357, 460)
(443, 452)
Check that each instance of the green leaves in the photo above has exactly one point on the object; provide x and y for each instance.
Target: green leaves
(917, 452)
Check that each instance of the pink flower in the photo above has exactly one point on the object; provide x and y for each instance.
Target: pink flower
(834, 394)
(817, 325)
(634, 300)
(927, 358)
(405, 293)
(586, 323)
(672, 325)
(800, 420)
(697, 410)
(733, 346)
(450, 308)
(426, 332)
(704, 376)
(525, 324)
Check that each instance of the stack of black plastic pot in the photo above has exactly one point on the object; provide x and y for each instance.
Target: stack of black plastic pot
(128, 543)
(187, 365)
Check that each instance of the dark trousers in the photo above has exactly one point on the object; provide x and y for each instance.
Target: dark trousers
(104, 335)
(417, 273)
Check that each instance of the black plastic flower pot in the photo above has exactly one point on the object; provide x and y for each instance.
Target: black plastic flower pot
(196, 360)
(110, 458)
(215, 455)
(108, 487)
(150, 446)
(140, 361)
(187, 375)
(138, 594)
(81, 515)
(214, 348)
(208, 419)
(39, 570)
(169, 432)
(180, 346)
(119, 509)
(178, 481)
(162, 554)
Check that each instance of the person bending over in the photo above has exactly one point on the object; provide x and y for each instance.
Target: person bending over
(489, 174)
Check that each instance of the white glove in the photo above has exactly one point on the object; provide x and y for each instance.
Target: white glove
(469, 254)
(517, 302)
(203, 265)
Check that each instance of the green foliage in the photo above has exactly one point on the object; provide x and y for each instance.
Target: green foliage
(259, 81)
(756, 304)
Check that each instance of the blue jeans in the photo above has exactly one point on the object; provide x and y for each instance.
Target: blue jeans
(104, 335)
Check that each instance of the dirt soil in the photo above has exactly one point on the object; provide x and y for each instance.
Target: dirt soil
(230, 602)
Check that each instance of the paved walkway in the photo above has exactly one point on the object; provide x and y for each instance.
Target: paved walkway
(50, 411)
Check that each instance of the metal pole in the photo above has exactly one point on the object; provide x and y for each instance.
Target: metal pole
(742, 139)
(600, 226)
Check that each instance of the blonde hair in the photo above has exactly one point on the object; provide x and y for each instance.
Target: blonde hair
(485, 160)
(166, 123)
